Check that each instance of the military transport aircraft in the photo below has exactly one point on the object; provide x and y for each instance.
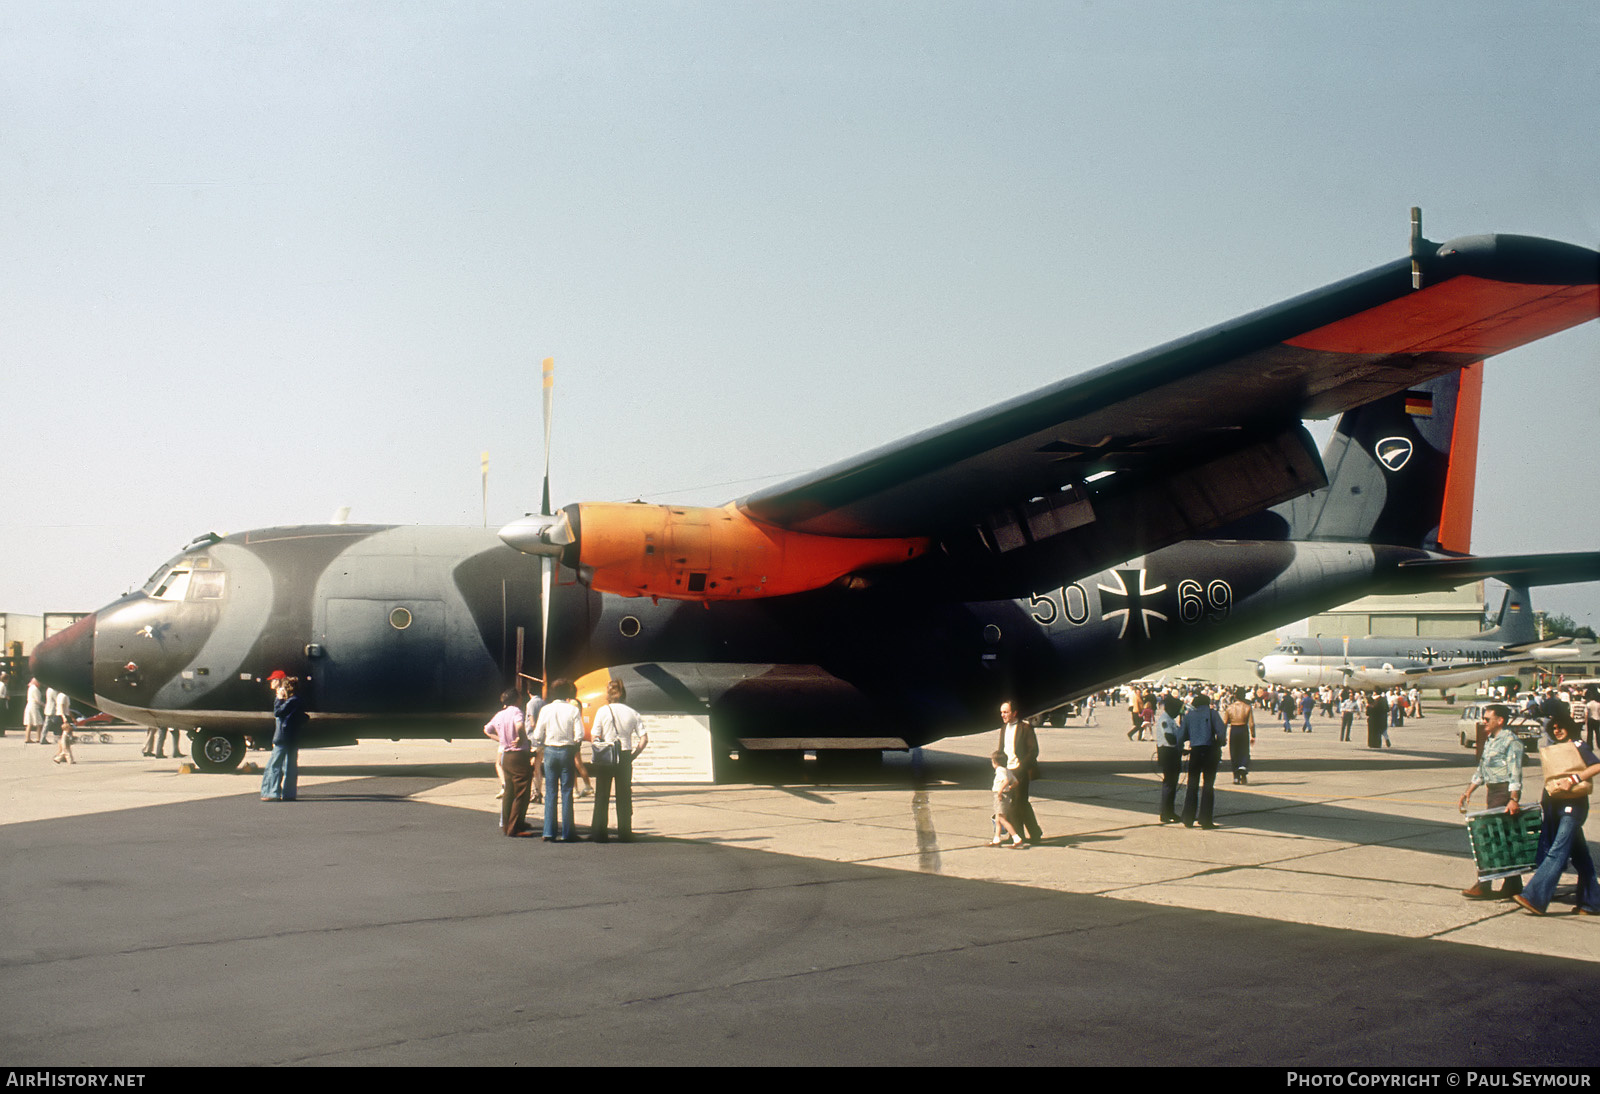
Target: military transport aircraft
(1055, 544)
(1376, 661)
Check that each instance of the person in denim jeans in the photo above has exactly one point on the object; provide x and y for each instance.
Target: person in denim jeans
(279, 782)
(1561, 836)
(557, 737)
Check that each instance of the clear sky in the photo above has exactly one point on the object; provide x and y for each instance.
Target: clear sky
(263, 260)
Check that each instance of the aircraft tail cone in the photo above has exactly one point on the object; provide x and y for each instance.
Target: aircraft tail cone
(65, 661)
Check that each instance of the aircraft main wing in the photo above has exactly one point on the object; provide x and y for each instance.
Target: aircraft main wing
(1186, 437)
(1451, 668)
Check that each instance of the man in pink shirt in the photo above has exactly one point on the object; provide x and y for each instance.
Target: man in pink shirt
(516, 765)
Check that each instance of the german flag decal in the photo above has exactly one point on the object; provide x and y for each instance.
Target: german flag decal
(1419, 404)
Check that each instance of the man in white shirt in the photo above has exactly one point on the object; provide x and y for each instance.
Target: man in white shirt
(52, 715)
(619, 723)
(556, 738)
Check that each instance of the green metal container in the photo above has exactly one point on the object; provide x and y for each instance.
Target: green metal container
(1504, 845)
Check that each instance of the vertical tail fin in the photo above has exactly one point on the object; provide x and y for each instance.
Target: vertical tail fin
(1401, 470)
(1516, 625)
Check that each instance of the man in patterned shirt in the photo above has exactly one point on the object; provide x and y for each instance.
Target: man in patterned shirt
(1500, 770)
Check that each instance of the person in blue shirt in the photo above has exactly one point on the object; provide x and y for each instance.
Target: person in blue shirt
(1202, 728)
(279, 783)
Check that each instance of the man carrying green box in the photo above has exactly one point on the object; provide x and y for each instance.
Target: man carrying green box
(1499, 769)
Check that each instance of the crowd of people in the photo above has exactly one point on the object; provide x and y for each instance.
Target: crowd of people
(543, 765)
(47, 711)
(1202, 718)
(539, 759)
(1293, 707)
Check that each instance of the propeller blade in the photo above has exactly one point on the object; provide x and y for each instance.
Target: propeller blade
(546, 572)
(549, 392)
(547, 564)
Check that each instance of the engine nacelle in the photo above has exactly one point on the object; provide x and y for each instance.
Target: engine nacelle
(687, 553)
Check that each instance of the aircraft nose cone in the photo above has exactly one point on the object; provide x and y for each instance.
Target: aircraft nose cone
(65, 661)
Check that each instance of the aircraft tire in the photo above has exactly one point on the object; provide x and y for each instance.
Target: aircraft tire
(217, 751)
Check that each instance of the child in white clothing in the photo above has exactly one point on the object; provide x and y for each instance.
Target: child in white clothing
(1004, 783)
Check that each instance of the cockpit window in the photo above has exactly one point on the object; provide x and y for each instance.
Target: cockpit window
(195, 577)
(206, 585)
(149, 588)
(173, 586)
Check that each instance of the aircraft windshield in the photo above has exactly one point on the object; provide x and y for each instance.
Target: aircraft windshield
(187, 577)
(173, 586)
(150, 586)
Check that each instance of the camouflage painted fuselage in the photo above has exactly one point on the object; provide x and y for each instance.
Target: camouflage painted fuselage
(410, 631)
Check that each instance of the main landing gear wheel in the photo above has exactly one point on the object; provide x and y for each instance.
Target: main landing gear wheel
(218, 751)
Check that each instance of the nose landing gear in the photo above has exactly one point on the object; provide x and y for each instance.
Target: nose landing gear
(217, 752)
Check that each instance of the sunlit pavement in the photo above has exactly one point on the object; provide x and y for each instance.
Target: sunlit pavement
(154, 917)
(1326, 833)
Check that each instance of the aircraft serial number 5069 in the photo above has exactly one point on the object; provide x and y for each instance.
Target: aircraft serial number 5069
(1209, 602)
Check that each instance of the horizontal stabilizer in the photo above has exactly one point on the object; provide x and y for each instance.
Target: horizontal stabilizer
(1521, 570)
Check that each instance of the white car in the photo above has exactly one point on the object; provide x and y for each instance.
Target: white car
(1470, 727)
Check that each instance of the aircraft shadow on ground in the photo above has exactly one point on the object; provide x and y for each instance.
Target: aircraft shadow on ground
(398, 784)
(438, 772)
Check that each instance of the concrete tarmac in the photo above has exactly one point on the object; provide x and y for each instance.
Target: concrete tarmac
(158, 918)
